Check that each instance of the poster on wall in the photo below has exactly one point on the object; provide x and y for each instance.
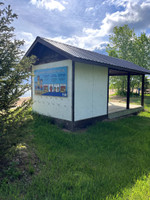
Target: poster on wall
(51, 82)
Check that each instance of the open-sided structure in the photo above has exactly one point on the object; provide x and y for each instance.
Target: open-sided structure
(71, 84)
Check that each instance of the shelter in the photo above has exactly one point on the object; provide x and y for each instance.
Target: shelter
(71, 84)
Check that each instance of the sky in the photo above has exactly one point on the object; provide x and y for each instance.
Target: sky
(83, 23)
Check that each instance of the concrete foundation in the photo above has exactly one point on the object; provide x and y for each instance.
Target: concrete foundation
(117, 110)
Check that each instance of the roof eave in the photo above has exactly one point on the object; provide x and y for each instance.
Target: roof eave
(110, 66)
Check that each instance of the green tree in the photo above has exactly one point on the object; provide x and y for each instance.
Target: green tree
(141, 51)
(14, 70)
(125, 44)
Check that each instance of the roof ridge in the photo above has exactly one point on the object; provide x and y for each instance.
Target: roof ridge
(71, 45)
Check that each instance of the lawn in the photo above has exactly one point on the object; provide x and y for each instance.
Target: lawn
(109, 160)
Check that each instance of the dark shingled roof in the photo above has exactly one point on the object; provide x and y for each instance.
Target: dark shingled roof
(85, 56)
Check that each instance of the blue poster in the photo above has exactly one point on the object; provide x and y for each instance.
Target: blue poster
(51, 82)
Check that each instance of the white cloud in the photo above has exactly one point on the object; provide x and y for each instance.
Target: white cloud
(27, 37)
(89, 42)
(118, 3)
(65, 2)
(49, 4)
(136, 15)
(89, 9)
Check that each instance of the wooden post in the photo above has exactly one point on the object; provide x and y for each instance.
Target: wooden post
(32, 83)
(142, 92)
(128, 91)
(73, 88)
(108, 93)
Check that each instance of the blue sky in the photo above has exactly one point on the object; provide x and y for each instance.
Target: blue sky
(83, 23)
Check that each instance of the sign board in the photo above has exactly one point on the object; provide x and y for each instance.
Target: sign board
(51, 82)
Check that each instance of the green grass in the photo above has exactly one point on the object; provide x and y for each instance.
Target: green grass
(110, 160)
(137, 100)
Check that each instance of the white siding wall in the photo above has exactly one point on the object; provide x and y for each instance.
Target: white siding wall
(90, 91)
(57, 107)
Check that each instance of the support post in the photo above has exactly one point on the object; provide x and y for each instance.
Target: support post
(108, 93)
(142, 92)
(73, 88)
(128, 91)
(31, 83)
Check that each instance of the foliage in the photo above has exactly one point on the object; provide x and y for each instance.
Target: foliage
(14, 71)
(110, 160)
(125, 44)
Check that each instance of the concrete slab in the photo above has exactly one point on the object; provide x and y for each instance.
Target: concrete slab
(116, 109)
(117, 106)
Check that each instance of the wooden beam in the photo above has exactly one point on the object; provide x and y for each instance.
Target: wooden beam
(128, 91)
(142, 96)
(73, 88)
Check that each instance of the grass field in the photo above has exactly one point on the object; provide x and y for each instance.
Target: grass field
(109, 160)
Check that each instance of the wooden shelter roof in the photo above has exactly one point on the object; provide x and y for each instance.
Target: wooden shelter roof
(117, 66)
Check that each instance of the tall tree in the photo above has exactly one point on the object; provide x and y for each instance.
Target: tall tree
(121, 42)
(141, 51)
(14, 70)
(125, 44)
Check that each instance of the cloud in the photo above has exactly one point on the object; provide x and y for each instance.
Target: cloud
(89, 9)
(84, 23)
(89, 42)
(119, 3)
(136, 15)
(65, 2)
(27, 37)
(49, 4)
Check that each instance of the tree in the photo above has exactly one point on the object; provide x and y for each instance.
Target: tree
(14, 70)
(125, 44)
(141, 53)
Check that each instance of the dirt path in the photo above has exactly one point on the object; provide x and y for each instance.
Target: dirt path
(21, 99)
